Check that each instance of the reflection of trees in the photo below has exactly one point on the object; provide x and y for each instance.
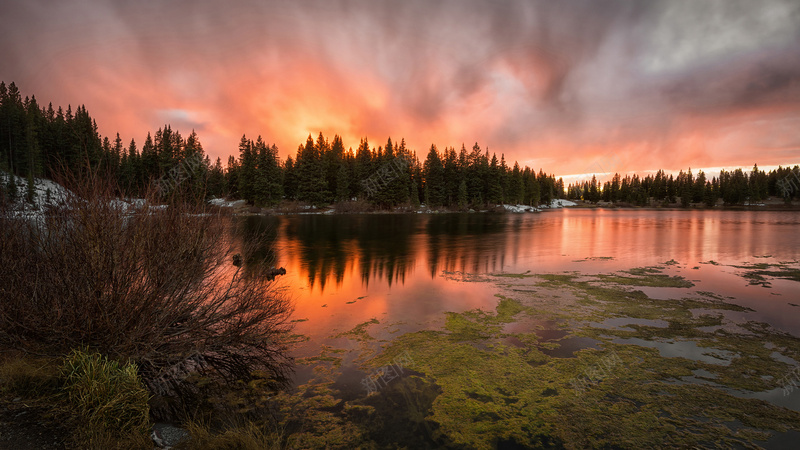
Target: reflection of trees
(259, 235)
(382, 245)
(321, 245)
(325, 245)
(466, 242)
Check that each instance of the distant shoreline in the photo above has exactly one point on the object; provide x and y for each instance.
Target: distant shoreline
(331, 209)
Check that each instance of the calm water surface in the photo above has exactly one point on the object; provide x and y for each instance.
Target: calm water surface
(407, 269)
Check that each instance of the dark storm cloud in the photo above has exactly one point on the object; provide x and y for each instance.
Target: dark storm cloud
(768, 78)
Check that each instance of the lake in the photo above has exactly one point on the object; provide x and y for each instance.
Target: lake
(705, 290)
(407, 267)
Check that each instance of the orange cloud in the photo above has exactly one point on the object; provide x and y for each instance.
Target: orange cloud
(564, 87)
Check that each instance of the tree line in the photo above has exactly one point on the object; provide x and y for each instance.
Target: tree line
(323, 172)
(732, 187)
(38, 141)
(43, 142)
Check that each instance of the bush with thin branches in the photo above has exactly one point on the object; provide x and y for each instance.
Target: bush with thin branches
(154, 284)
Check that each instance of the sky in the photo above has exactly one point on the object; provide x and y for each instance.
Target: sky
(569, 86)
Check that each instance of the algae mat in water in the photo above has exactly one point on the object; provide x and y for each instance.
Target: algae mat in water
(564, 361)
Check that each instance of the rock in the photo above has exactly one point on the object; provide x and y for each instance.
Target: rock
(165, 435)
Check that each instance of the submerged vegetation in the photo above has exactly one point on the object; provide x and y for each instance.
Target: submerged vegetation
(514, 376)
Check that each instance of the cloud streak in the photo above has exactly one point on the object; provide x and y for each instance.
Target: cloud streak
(556, 85)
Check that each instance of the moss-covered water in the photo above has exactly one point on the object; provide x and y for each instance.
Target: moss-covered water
(572, 328)
(685, 371)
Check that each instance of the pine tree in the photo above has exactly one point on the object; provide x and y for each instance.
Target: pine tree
(699, 187)
(343, 183)
(495, 189)
(290, 178)
(451, 176)
(363, 168)
(311, 187)
(594, 193)
(194, 166)
(709, 198)
(247, 170)
(169, 147)
(433, 174)
(149, 160)
(333, 161)
(516, 186)
(116, 156)
(532, 194)
(414, 193)
(268, 183)
(462, 194)
(275, 175)
(216, 180)
(504, 177)
(260, 181)
(232, 177)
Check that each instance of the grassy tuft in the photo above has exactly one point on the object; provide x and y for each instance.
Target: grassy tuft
(108, 396)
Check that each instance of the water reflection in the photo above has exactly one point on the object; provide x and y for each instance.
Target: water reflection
(389, 248)
(259, 235)
(328, 247)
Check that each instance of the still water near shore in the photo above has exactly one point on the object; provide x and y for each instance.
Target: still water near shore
(702, 305)
(343, 270)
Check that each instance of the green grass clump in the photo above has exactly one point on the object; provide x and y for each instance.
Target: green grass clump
(108, 396)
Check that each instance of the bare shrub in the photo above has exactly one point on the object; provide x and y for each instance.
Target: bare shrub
(153, 284)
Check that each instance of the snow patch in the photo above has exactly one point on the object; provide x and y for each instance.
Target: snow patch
(223, 203)
(518, 209)
(47, 193)
(561, 203)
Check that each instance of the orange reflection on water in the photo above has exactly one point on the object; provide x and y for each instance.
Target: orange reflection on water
(345, 270)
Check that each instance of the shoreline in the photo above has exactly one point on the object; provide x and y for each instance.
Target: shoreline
(330, 210)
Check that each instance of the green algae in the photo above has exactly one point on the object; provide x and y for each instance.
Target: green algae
(513, 275)
(359, 332)
(595, 258)
(649, 280)
(470, 386)
(518, 394)
(759, 276)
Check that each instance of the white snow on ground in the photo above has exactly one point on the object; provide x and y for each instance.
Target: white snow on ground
(560, 203)
(47, 193)
(221, 202)
(132, 204)
(518, 209)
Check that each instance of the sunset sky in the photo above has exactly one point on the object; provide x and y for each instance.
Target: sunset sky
(567, 86)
